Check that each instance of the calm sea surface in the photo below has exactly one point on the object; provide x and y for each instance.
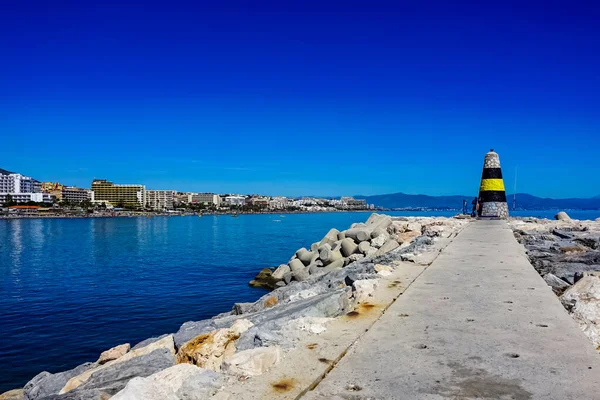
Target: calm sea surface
(72, 288)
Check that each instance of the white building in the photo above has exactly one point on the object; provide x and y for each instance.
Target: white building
(26, 197)
(76, 195)
(11, 182)
(208, 199)
(160, 199)
(279, 203)
(21, 189)
(235, 201)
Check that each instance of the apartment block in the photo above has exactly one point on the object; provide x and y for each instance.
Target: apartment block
(130, 195)
(160, 199)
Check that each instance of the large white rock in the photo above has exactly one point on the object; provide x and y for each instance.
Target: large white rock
(562, 216)
(252, 362)
(364, 288)
(583, 300)
(182, 381)
(240, 326)
(378, 241)
(113, 353)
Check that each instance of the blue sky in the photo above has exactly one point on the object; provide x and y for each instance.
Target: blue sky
(324, 98)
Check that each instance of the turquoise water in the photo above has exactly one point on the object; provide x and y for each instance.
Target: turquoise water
(72, 288)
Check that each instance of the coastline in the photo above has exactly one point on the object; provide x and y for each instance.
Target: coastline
(301, 302)
(154, 214)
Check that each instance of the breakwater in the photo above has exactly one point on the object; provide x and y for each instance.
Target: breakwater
(208, 355)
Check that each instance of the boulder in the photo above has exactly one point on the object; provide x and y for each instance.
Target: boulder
(207, 350)
(329, 304)
(264, 279)
(252, 362)
(15, 394)
(113, 353)
(348, 247)
(433, 230)
(364, 288)
(357, 257)
(166, 344)
(562, 216)
(388, 246)
(558, 285)
(280, 271)
(179, 382)
(148, 341)
(378, 241)
(114, 377)
(241, 308)
(407, 237)
(583, 302)
(45, 384)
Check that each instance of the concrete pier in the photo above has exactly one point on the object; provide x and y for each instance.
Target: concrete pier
(479, 323)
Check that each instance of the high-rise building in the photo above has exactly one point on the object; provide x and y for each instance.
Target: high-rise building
(208, 199)
(160, 199)
(11, 182)
(126, 195)
(21, 189)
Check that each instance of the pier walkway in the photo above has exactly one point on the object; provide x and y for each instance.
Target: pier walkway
(479, 323)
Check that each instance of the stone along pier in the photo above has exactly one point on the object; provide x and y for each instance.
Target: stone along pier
(479, 323)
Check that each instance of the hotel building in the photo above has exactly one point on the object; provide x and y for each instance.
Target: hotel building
(130, 195)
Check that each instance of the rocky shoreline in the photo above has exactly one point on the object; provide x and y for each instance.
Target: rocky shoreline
(334, 289)
(566, 253)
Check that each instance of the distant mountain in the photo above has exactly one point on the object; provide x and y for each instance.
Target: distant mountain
(524, 201)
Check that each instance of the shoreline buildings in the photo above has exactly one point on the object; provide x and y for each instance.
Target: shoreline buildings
(160, 200)
(119, 195)
(21, 189)
(69, 194)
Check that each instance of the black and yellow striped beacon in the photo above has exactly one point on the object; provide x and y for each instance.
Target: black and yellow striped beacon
(492, 196)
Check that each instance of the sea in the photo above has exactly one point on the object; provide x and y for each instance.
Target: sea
(72, 288)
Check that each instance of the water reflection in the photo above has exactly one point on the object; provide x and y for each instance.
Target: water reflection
(16, 244)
